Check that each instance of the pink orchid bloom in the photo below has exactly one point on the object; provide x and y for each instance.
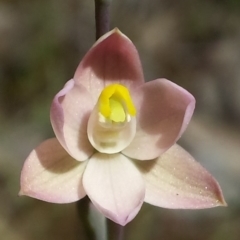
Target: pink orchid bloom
(116, 140)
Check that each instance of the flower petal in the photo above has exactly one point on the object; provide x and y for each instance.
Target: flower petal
(113, 58)
(176, 180)
(164, 111)
(70, 111)
(51, 175)
(115, 186)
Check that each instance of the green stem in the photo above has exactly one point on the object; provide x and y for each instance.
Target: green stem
(115, 231)
(102, 17)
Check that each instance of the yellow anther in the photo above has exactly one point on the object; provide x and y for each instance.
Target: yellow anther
(115, 102)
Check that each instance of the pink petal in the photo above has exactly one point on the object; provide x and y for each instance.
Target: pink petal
(51, 175)
(115, 186)
(176, 180)
(70, 111)
(164, 111)
(113, 58)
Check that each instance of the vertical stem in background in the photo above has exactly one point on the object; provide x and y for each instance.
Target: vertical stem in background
(83, 212)
(115, 231)
(102, 16)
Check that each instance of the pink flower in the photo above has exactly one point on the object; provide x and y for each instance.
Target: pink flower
(115, 140)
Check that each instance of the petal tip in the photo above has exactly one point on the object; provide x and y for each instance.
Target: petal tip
(221, 202)
(24, 191)
(217, 194)
(21, 193)
(115, 31)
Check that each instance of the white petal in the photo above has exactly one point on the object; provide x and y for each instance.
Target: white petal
(115, 186)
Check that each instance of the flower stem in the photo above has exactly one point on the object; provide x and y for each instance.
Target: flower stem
(83, 212)
(115, 231)
(102, 16)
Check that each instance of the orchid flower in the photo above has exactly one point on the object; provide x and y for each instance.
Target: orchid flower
(116, 140)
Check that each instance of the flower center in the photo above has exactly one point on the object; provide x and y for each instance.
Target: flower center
(115, 103)
(112, 123)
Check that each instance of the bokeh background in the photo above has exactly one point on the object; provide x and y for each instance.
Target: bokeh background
(193, 43)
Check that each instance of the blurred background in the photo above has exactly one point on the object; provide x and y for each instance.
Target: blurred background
(196, 44)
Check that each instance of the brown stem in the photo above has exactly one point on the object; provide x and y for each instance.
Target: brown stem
(102, 17)
(83, 213)
(115, 231)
